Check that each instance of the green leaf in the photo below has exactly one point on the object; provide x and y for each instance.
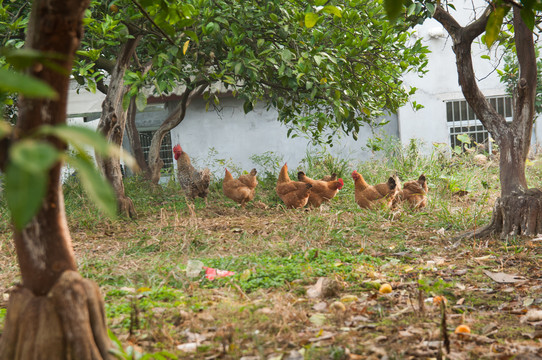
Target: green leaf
(238, 68)
(286, 55)
(34, 156)
(26, 85)
(493, 26)
(24, 193)
(311, 19)
(430, 7)
(393, 8)
(126, 101)
(411, 9)
(528, 17)
(464, 138)
(96, 186)
(248, 106)
(141, 101)
(192, 35)
(330, 9)
(77, 136)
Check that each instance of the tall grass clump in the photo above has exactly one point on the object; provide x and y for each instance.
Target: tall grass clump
(268, 165)
(319, 162)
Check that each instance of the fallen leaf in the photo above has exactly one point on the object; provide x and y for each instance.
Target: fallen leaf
(321, 306)
(325, 336)
(503, 278)
(532, 316)
(188, 347)
(295, 355)
(318, 319)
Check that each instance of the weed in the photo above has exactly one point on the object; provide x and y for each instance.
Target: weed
(268, 164)
(318, 163)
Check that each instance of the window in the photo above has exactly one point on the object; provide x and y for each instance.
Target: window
(165, 150)
(461, 119)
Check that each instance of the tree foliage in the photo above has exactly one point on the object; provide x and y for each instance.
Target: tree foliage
(332, 65)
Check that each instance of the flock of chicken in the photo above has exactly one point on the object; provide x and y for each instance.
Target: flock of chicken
(297, 194)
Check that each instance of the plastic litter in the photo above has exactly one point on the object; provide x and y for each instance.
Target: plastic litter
(211, 273)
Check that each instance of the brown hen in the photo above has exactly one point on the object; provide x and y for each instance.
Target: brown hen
(295, 194)
(321, 190)
(367, 195)
(193, 182)
(242, 189)
(414, 193)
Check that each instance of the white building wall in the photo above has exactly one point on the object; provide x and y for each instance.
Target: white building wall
(237, 136)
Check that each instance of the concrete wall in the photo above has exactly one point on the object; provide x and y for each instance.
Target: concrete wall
(231, 136)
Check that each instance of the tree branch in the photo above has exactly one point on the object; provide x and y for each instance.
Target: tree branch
(146, 14)
(462, 38)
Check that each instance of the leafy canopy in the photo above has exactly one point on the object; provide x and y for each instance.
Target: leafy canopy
(323, 65)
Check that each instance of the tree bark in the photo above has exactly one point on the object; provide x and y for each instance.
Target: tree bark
(135, 142)
(174, 119)
(54, 314)
(516, 210)
(112, 124)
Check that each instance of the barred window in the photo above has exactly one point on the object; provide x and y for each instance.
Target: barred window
(461, 119)
(165, 150)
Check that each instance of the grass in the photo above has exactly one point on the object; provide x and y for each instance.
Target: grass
(277, 254)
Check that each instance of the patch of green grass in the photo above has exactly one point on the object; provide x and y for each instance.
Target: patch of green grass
(3, 313)
(261, 272)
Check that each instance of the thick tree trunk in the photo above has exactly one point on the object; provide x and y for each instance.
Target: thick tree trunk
(175, 118)
(55, 314)
(516, 212)
(68, 323)
(112, 124)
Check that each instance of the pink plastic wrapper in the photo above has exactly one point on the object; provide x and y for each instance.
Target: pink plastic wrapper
(212, 274)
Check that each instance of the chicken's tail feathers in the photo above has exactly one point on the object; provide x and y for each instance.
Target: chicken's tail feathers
(227, 176)
(205, 176)
(283, 175)
(253, 172)
(300, 175)
(392, 184)
(422, 179)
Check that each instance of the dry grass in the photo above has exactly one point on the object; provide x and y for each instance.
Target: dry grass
(140, 268)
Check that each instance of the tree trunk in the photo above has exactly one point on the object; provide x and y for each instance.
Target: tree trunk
(68, 323)
(112, 124)
(517, 211)
(55, 314)
(175, 118)
(135, 142)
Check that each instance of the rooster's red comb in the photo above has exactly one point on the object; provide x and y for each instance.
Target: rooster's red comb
(177, 148)
(340, 180)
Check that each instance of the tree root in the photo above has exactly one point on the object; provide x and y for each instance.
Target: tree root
(518, 214)
(68, 323)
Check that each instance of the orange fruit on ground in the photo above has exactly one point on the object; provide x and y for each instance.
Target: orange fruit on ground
(438, 299)
(385, 289)
(462, 329)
